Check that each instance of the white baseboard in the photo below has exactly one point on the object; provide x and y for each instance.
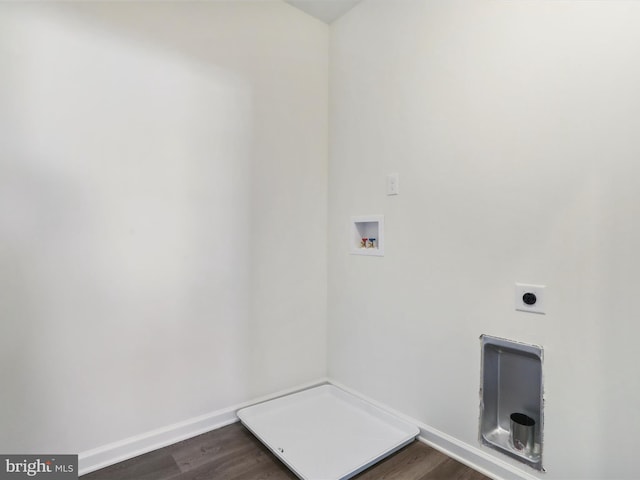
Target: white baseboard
(472, 456)
(116, 452)
(464, 453)
(469, 455)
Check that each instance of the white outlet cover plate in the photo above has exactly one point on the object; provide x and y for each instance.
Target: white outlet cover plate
(537, 290)
(393, 184)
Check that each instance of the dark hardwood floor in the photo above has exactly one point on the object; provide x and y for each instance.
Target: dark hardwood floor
(233, 453)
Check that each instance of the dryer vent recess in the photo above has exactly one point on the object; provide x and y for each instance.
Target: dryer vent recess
(511, 404)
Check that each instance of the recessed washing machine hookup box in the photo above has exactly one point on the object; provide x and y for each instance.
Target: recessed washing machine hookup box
(366, 235)
(511, 399)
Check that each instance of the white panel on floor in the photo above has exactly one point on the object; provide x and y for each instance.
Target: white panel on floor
(326, 433)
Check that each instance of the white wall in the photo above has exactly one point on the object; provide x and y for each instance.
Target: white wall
(162, 214)
(514, 127)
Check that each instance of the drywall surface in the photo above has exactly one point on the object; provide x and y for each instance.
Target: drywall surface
(514, 128)
(162, 214)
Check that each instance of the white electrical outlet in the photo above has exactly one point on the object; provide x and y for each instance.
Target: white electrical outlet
(530, 298)
(393, 184)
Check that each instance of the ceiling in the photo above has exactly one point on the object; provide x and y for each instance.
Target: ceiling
(325, 10)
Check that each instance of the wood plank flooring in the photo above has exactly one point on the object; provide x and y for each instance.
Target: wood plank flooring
(233, 453)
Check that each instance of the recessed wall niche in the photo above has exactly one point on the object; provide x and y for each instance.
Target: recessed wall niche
(511, 399)
(367, 235)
